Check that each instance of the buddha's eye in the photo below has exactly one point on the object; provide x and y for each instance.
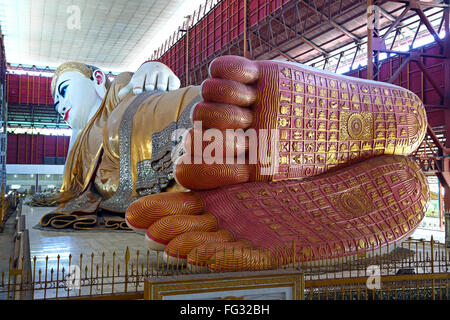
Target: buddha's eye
(62, 91)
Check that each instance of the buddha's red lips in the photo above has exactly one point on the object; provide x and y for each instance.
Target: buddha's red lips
(66, 116)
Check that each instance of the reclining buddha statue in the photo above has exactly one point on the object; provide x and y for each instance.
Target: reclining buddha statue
(265, 163)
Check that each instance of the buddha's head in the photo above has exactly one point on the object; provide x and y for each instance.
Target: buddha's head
(77, 89)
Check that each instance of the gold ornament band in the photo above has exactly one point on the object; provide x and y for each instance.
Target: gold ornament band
(70, 66)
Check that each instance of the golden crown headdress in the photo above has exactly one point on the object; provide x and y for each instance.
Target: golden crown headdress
(70, 66)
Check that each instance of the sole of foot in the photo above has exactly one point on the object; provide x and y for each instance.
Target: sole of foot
(290, 121)
(362, 208)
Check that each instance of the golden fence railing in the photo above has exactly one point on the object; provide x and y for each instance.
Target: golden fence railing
(398, 287)
(415, 269)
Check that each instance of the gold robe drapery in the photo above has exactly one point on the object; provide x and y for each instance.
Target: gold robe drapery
(92, 170)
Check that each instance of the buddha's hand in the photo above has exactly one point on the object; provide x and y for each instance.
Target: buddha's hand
(151, 76)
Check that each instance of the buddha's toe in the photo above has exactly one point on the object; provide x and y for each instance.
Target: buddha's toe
(160, 233)
(228, 92)
(202, 176)
(234, 68)
(179, 247)
(142, 213)
(203, 255)
(216, 147)
(229, 256)
(222, 116)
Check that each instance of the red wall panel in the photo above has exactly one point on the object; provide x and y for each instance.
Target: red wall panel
(31, 149)
(11, 151)
(223, 24)
(26, 89)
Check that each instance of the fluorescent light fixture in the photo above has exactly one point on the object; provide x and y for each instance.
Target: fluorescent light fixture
(41, 131)
(31, 73)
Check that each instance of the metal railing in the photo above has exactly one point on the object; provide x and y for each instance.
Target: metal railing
(398, 287)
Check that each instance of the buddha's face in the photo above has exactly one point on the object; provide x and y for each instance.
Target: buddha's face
(76, 96)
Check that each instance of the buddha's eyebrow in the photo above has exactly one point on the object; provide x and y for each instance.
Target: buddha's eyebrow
(59, 87)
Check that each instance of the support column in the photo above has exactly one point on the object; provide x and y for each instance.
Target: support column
(188, 21)
(446, 151)
(245, 29)
(446, 65)
(37, 183)
(447, 230)
(372, 21)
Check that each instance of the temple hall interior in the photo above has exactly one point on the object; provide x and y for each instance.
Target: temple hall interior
(97, 203)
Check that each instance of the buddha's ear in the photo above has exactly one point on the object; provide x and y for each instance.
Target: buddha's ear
(99, 82)
(99, 77)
